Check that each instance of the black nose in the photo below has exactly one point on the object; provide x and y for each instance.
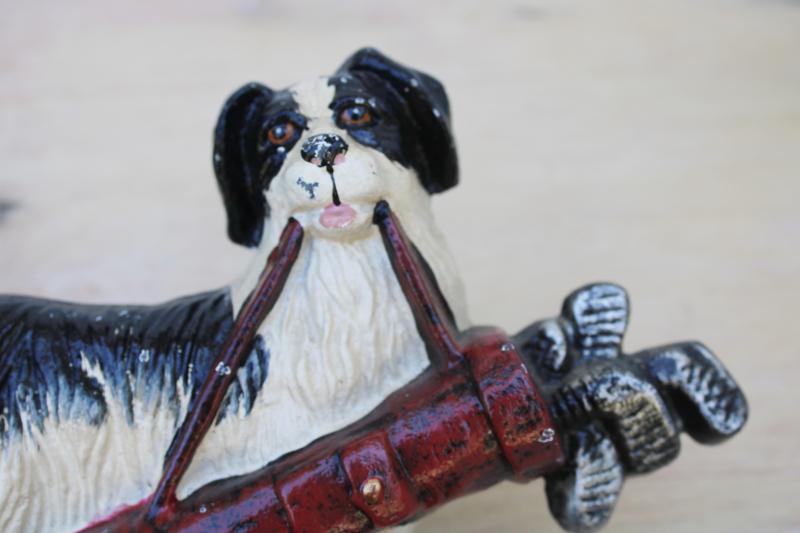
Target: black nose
(322, 149)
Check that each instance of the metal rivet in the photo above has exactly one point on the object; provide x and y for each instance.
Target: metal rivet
(507, 347)
(547, 435)
(372, 490)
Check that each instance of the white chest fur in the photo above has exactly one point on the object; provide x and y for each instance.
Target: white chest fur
(341, 338)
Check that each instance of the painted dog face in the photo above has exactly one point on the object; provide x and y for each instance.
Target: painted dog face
(325, 151)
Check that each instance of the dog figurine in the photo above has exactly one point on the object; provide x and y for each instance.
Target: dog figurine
(92, 396)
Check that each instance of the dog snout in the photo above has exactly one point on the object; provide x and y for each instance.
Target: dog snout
(324, 149)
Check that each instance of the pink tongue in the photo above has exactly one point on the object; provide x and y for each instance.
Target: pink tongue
(337, 216)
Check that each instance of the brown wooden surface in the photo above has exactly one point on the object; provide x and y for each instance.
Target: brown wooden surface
(655, 144)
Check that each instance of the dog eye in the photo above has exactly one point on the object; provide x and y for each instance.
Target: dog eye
(281, 133)
(355, 115)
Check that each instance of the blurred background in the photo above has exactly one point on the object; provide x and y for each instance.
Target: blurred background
(654, 144)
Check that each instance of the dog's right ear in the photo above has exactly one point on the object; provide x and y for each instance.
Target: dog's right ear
(238, 178)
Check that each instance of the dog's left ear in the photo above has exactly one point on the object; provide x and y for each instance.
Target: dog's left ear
(239, 183)
(430, 110)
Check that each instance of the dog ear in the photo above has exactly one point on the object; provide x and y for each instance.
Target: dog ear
(430, 110)
(237, 177)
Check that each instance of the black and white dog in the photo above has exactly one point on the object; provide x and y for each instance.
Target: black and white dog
(91, 396)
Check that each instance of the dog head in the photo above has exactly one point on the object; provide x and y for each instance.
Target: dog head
(325, 151)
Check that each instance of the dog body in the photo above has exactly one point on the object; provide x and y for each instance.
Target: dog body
(91, 396)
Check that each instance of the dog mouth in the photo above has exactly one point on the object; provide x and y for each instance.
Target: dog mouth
(348, 219)
(338, 215)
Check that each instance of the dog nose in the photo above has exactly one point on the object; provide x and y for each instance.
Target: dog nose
(322, 149)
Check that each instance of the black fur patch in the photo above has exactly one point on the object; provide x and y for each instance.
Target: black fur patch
(414, 128)
(245, 161)
(142, 351)
(269, 157)
(393, 131)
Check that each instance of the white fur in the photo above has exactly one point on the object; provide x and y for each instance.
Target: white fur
(341, 338)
